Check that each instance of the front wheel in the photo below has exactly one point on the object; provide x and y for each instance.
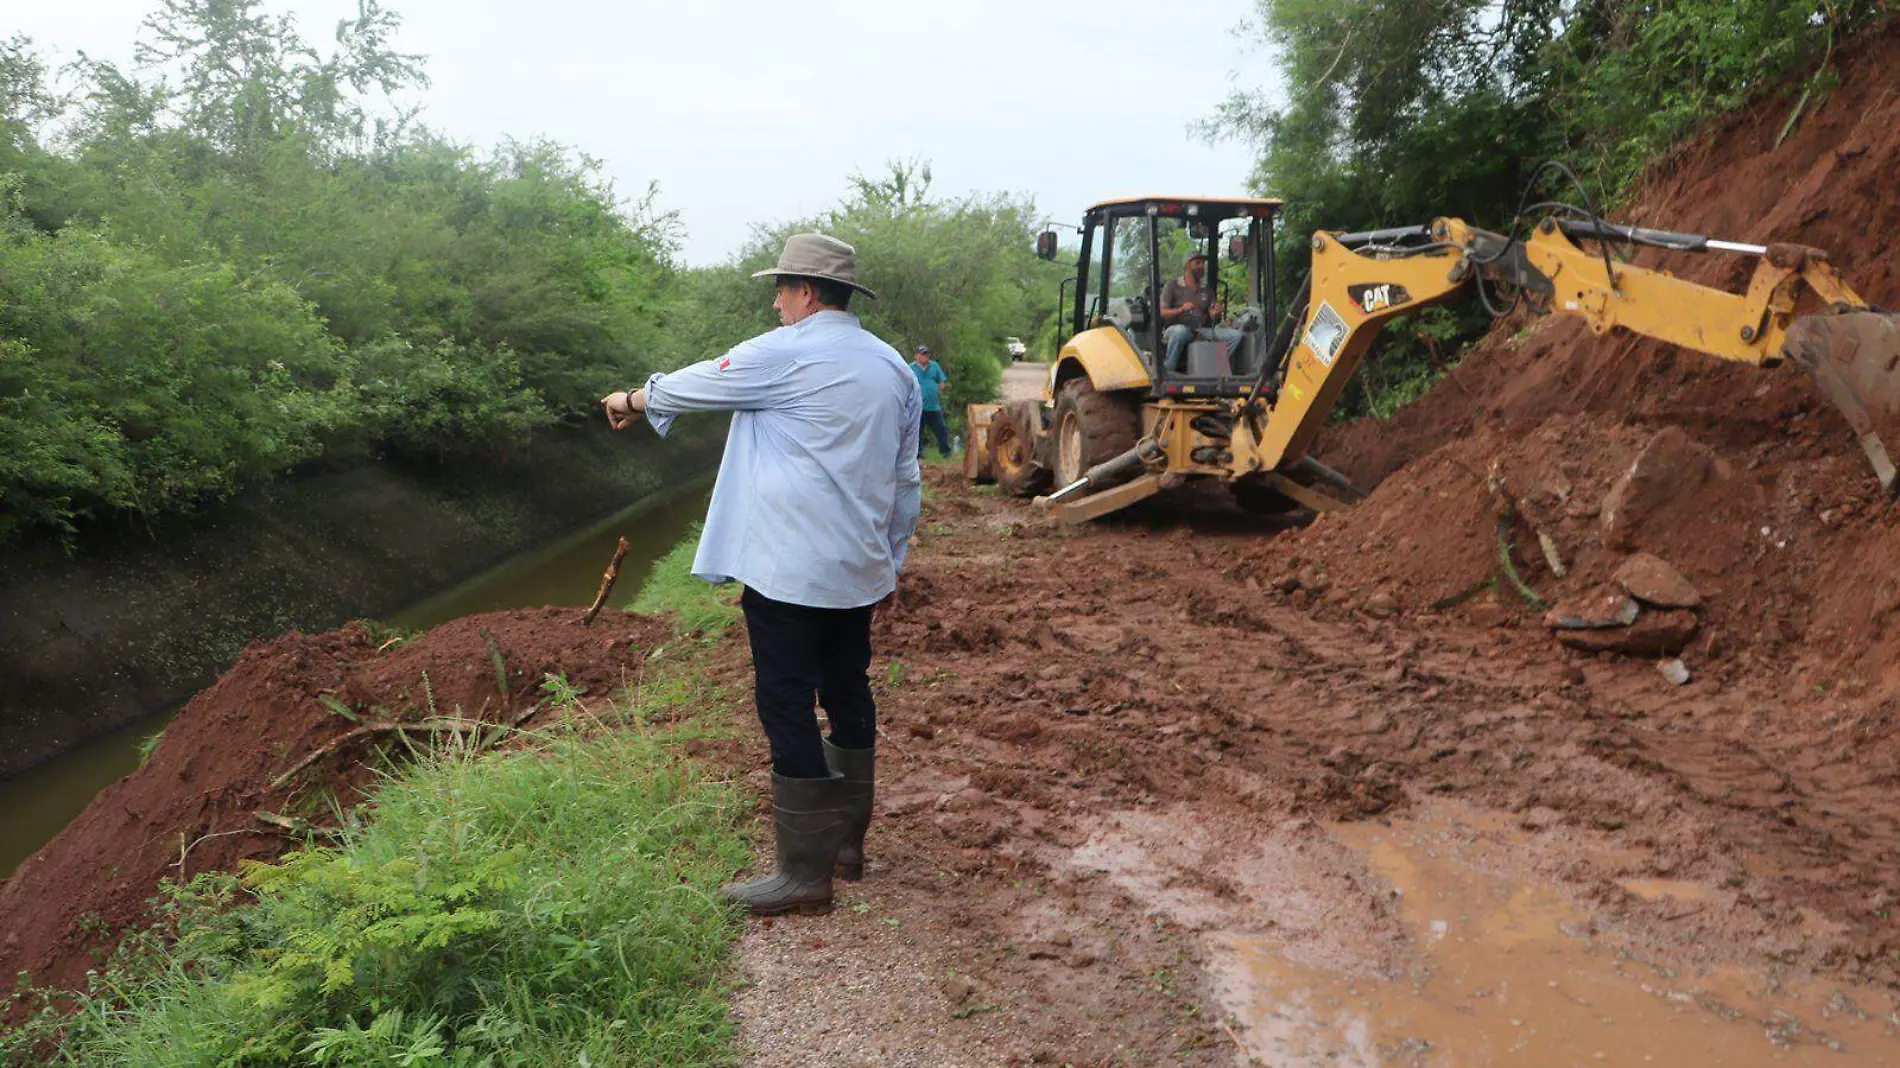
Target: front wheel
(1092, 427)
(1013, 450)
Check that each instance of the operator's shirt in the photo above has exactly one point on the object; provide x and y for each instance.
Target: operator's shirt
(819, 489)
(1196, 299)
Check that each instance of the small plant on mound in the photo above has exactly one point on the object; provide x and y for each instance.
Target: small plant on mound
(555, 905)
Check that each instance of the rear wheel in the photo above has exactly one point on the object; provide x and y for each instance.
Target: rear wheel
(1013, 450)
(1092, 427)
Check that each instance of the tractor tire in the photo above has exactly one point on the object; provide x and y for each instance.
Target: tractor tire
(1012, 444)
(1092, 427)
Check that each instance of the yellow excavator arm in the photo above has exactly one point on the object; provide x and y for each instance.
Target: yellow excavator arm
(1361, 281)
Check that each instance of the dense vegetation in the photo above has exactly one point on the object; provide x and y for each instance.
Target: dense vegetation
(241, 258)
(1391, 111)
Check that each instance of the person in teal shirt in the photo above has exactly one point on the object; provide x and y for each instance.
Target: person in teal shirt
(932, 382)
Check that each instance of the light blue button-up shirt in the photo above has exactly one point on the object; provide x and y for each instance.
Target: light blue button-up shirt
(819, 489)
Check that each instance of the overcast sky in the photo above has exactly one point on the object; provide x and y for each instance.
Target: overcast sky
(749, 111)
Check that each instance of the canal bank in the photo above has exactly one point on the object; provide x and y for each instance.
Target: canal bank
(44, 798)
(129, 625)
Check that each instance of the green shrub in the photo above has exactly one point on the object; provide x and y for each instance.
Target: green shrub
(548, 906)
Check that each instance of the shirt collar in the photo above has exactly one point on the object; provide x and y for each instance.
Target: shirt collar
(828, 315)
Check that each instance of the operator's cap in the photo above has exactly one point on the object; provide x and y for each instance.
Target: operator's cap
(1192, 256)
(922, 348)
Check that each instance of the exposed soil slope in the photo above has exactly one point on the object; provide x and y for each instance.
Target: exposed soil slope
(1113, 754)
(1803, 559)
(193, 807)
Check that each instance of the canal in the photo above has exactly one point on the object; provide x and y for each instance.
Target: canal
(44, 799)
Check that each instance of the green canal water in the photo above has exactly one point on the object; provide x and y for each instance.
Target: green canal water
(44, 799)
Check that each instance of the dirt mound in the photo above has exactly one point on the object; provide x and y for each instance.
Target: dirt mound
(1795, 551)
(1829, 186)
(239, 748)
(1794, 562)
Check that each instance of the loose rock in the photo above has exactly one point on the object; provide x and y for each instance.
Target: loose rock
(1652, 581)
(1653, 633)
(1672, 465)
(959, 989)
(1381, 605)
(1675, 671)
(1601, 608)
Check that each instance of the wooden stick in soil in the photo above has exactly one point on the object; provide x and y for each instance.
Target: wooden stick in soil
(427, 726)
(606, 583)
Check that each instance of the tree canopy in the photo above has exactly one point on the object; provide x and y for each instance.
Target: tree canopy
(1390, 112)
(241, 258)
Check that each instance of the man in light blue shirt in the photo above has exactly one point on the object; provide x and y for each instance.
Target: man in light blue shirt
(817, 497)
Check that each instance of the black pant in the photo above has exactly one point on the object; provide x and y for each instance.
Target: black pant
(936, 423)
(798, 653)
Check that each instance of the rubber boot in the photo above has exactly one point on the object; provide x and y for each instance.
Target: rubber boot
(859, 768)
(809, 821)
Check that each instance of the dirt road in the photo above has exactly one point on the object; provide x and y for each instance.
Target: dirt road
(1023, 381)
(1145, 799)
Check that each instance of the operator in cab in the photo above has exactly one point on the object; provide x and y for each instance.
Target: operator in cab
(1187, 307)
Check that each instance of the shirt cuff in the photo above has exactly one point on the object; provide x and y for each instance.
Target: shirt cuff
(660, 420)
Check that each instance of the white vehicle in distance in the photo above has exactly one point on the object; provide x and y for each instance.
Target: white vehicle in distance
(1017, 350)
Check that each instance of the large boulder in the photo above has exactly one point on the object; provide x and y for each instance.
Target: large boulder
(1670, 466)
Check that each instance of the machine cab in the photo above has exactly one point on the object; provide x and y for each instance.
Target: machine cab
(1133, 269)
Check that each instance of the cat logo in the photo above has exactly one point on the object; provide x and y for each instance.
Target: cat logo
(1377, 297)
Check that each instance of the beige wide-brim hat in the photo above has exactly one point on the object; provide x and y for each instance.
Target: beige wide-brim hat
(818, 256)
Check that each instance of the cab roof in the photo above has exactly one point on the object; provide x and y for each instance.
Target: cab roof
(1224, 206)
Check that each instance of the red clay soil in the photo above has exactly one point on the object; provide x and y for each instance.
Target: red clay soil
(193, 807)
(1109, 749)
(1113, 748)
(1804, 560)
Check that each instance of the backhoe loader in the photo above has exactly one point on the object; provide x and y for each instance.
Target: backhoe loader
(1119, 422)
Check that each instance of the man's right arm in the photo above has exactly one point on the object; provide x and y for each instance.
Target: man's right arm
(749, 377)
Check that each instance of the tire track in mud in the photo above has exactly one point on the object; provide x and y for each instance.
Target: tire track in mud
(1112, 756)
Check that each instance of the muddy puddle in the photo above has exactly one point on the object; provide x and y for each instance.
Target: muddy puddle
(1493, 968)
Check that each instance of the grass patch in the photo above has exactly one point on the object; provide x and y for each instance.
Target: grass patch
(550, 905)
(933, 458)
(696, 607)
(149, 745)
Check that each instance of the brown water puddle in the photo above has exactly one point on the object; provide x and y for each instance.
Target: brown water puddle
(1502, 971)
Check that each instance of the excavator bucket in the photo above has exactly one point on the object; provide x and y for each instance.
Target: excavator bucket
(1854, 356)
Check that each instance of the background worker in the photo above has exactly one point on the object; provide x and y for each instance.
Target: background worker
(932, 382)
(817, 496)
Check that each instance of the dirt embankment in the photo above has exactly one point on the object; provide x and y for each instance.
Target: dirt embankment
(133, 623)
(240, 748)
(1777, 514)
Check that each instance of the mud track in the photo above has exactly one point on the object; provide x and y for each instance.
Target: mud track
(1141, 804)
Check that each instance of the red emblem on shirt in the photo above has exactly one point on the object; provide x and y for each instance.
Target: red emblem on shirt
(725, 363)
